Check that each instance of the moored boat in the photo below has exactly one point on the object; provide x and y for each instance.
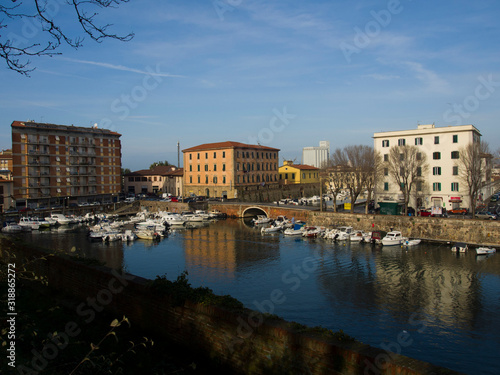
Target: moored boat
(11, 227)
(459, 247)
(485, 250)
(392, 238)
(411, 241)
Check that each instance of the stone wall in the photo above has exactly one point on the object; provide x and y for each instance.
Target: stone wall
(276, 192)
(452, 229)
(247, 342)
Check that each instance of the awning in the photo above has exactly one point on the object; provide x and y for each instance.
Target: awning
(455, 200)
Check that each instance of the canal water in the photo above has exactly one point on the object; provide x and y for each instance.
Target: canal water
(425, 302)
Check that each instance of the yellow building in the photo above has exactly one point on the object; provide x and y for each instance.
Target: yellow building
(298, 173)
(221, 169)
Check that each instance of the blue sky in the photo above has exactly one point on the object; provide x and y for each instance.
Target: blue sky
(285, 74)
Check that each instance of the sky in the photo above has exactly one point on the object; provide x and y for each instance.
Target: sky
(283, 74)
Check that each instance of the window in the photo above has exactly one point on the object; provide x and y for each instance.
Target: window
(419, 141)
(215, 154)
(223, 154)
(454, 186)
(190, 179)
(401, 157)
(436, 171)
(436, 155)
(293, 176)
(455, 171)
(419, 171)
(303, 175)
(206, 155)
(190, 168)
(223, 179)
(385, 143)
(436, 186)
(206, 167)
(419, 156)
(215, 179)
(223, 167)
(386, 171)
(215, 167)
(455, 138)
(386, 186)
(198, 155)
(190, 156)
(419, 185)
(455, 155)
(386, 157)
(436, 140)
(401, 142)
(198, 167)
(206, 179)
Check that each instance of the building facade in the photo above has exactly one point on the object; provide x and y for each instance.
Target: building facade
(298, 173)
(157, 180)
(443, 187)
(316, 156)
(59, 164)
(222, 169)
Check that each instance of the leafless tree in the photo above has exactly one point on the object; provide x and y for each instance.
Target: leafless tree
(474, 167)
(407, 166)
(335, 177)
(46, 17)
(372, 170)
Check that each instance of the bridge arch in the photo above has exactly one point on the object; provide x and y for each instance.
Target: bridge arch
(253, 211)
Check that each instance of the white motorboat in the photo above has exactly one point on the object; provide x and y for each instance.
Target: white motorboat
(61, 219)
(485, 250)
(297, 230)
(11, 227)
(111, 236)
(360, 236)
(459, 247)
(272, 229)
(128, 235)
(261, 219)
(191, 216)
(28, 224)
(43, 224)
(411, 241)
(204, 214)
(392, 238)
(172, 218)
(313, 231)
(340, 234)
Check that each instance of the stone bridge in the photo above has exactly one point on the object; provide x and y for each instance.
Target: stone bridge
(250, 210)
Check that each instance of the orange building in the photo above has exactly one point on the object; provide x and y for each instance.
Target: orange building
(59, 163)
(221, 169)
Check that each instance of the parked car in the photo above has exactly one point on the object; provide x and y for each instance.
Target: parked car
(425, 212)
(458, 211)
(485, 215)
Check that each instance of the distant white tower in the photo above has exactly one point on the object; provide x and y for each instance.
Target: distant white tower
(316, 156)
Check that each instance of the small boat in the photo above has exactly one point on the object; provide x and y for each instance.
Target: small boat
(340, 234)
(485, 250)
(272, 229)
(61, 219)
(11, 227)
(261, 219)
(128, 235)
(28, 224)
(313, 231)
(392, 238)
(147, 234)
(360, 236)
(411, 242)
(376, 237)
(459, 247)
(297, 230)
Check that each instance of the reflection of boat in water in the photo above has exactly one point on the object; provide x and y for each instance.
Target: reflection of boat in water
(12, 227)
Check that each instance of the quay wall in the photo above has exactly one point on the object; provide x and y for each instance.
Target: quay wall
(244, 341)
(453, 229)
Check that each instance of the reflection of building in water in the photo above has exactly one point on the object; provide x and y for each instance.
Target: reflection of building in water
(433, 283)
(219, 251)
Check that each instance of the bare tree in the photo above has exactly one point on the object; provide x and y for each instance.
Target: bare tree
(474, 168)
(335, 176)
(407, 166)
(46, 16)
(372, 170)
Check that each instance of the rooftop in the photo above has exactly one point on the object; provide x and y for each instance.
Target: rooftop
(39, 126)
(226, 145)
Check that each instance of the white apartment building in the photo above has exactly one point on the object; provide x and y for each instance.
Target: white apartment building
(443, 187)
(316, 156)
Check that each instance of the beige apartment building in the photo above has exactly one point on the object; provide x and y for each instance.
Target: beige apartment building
(160, 179)
(443, 188)
(54, 164)
(222, 169)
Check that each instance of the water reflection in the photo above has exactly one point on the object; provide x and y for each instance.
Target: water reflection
(448, 302)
